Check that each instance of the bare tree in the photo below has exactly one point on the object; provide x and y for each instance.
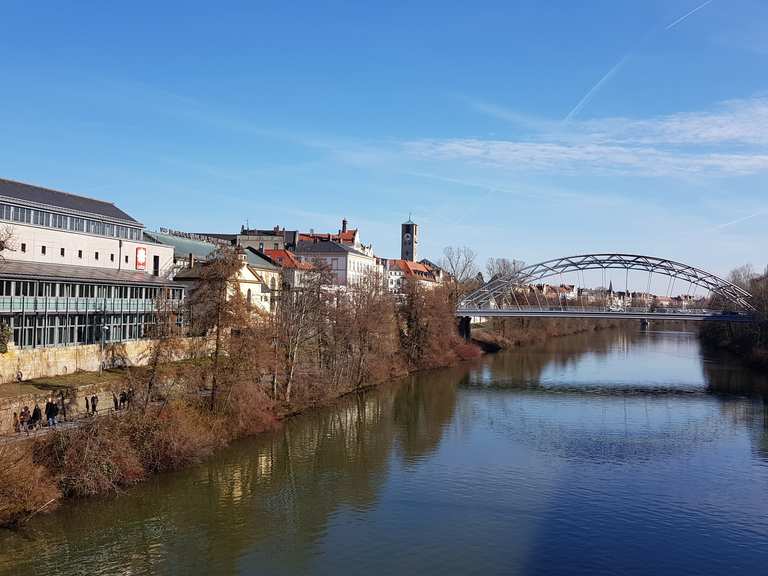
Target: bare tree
(743, 276)
(373, 328)
(297, 320)
(460, 263)
(496, 267)
(164, 348)
(217, 306)
(7, 241)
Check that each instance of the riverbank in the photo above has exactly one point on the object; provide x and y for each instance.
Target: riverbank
(178, 428)
(749, 342)
(610, 420)
(252, 375)
(505, 333)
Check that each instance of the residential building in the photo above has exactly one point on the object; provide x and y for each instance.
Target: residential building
(77, 270)
(275, 239)
(347, 264)
(294, 270)
(258, 278)
(439, 274)
(345, 236)
(398, 271)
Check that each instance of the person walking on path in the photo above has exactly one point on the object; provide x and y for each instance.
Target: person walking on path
(51, 410)
(63, 408)
(37, 415)
(94, 403)
(87, 406)
(16, 423)
(24, 419)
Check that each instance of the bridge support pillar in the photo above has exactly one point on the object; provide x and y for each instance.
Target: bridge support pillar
(465, 328)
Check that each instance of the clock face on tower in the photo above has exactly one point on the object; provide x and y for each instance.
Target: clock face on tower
(406, 237)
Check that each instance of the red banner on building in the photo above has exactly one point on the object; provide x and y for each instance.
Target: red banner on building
(141, 258)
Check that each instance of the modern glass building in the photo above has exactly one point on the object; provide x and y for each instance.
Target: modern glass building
(76, 270)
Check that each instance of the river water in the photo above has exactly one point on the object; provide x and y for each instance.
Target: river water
(608, 453)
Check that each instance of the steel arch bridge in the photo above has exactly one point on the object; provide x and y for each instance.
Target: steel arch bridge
(508, 295)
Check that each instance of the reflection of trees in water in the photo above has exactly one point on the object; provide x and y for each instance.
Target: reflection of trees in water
(651, 431)
(523, 367)
(726, 376)
(424, 405)
(604, 428)
(270, 497)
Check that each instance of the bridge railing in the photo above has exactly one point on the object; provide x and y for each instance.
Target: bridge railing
(554, 310)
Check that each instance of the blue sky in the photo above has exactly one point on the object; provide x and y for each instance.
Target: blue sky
(526, 129)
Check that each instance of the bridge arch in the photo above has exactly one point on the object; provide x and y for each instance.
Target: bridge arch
(494, 292)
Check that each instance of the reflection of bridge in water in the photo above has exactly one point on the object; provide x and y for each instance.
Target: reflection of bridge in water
(515, 295)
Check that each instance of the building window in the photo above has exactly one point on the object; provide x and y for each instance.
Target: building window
(62, 251)
(79, 253)
(96, 255)
(249, 296)
(111, 257)
(156, 265)
(42, 250)
(23, 247)
(126, 258)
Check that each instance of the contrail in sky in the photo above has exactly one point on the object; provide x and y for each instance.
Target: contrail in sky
(588, 96)
(684, 16)
(742, 219)
(620, 64)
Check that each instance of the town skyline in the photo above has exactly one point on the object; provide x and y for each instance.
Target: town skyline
(478, 125)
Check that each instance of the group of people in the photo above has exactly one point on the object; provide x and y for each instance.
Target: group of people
(123, 400)
(30, 420)
(120, 401)
(27, 420)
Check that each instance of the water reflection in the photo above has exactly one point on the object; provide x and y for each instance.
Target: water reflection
(519, 463)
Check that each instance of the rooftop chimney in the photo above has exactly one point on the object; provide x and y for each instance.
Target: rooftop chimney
(344, 225)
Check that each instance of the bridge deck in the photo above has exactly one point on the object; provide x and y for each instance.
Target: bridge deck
(692, 315)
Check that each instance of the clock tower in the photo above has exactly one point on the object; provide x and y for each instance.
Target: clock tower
(409, 240)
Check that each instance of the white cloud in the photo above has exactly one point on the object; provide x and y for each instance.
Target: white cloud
(731, 139)
(577, 157)
(735, 122)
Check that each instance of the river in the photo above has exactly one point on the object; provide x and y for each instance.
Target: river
(618, 452)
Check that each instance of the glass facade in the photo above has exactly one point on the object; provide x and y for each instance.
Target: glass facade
(42, 313)
(47, 219)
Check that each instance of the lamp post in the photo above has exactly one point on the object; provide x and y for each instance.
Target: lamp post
(104, 336)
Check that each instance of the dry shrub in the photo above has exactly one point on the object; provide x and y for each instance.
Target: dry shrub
(93, 458)
(171, 437)
(248, 411)
(467, 351)
(25, 487)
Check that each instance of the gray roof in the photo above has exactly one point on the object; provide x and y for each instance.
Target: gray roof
(56, 199)
(324, 247)
(183, 247)
(259, 260)
(67, 272)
